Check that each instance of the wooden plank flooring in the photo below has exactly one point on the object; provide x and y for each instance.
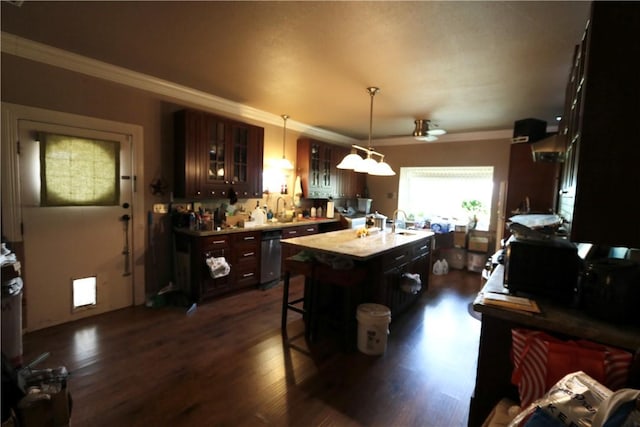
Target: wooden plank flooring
(228, 365)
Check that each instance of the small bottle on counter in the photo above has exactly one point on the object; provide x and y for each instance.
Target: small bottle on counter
(313, 212)
(319, 212)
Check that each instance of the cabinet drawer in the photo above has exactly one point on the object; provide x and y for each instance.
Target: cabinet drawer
(212, 243)
(301, 230)
(421, 248)
(397, 257)
(241, 238)
(246, 255)
(246, 275)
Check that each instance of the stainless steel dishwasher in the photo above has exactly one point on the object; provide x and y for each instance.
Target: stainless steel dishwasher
(270, 258)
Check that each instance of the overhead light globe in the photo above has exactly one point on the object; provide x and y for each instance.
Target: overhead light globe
(366, 166)
(382, 168)
(350, 161)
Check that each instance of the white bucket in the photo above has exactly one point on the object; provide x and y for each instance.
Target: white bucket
(373, 328)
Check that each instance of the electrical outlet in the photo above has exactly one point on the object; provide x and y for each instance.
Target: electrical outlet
(160, 208)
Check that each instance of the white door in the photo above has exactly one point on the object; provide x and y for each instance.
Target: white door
(65, 243)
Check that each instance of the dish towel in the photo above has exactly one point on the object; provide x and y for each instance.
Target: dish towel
(218, 267)
(297, 192)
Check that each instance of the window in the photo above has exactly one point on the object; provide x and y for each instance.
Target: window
(79, 171)
(438, 192)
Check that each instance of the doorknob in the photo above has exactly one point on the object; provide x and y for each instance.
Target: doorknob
(125, 205)
(125, 217)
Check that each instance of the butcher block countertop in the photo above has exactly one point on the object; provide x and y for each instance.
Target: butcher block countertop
(347, 243)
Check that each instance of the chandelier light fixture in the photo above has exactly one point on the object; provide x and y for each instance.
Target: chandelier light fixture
(367, 165)
(284, 163)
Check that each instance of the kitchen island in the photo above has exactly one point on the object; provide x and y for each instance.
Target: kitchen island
(344, 270)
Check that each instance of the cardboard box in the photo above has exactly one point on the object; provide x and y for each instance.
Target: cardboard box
(53, 411)
(456, 257)
(478, 244)
(475, 261)
(460, 239)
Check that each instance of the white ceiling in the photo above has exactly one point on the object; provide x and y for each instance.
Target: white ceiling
(468, 66)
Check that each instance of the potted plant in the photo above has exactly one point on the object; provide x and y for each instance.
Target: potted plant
(473, 208)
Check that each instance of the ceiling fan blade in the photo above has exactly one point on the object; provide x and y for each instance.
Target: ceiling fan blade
(426, 138)
(436, 131)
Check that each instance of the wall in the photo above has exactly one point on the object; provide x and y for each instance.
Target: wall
(384, 190)
(34, 84)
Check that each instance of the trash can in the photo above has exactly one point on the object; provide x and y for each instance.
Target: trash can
(373, 328)
(12, 320)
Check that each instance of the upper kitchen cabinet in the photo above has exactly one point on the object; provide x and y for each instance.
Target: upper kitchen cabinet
(316, 168)
(214, 155)
(348, 183)
(600, 183)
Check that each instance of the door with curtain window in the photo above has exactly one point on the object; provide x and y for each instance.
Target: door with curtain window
(76, 191)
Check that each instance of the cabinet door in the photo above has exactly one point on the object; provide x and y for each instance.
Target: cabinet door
(208, 285)
(214, 155)
(244, 165)
(189, 131)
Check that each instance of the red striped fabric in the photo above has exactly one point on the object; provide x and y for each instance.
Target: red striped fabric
(540, 360)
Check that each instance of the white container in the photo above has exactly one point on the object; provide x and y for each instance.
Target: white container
(373, 328)
(313, 212)
(330, 209)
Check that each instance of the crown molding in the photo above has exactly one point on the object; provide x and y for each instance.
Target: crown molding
(49, 55)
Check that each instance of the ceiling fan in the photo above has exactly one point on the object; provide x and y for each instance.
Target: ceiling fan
(427, 131)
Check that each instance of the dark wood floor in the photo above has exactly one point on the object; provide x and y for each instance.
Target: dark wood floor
(227, 365)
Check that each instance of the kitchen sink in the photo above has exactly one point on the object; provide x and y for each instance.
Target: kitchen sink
(405, 233)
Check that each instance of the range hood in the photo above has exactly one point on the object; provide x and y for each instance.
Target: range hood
(550, 149)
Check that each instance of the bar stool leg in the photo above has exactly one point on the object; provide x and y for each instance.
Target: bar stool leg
(285, 301)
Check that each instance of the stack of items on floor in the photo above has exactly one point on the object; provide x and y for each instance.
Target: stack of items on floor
(569, 383)
(35, 398)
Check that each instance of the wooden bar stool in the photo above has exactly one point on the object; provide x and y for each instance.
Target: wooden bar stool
(304, 304)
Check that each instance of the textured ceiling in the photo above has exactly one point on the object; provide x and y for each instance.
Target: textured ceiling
(468, 66)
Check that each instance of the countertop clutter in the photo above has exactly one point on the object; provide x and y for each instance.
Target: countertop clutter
(267, 226)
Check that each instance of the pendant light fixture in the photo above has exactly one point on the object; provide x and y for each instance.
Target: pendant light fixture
(284, 163)
(367, 165)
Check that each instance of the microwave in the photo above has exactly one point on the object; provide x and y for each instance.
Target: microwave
(547, 268)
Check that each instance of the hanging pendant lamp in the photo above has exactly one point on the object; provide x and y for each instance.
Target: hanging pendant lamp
(284, 163)
(368, 165)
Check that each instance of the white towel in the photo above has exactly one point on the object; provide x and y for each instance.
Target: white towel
(297, 192)
(218, 267)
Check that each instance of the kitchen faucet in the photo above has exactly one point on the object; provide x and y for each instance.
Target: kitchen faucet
(284, 206)
(395, 219)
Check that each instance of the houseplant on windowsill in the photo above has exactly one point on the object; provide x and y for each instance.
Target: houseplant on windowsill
(473, 208)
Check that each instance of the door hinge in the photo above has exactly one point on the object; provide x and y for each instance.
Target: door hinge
(18, 147)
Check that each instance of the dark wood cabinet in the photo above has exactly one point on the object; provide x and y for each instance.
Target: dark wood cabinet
(245, 259)
(600, 184)
(316, 168)
(296, 231)
(535, 181)
(321, 179)
(348, 182)
(215, 154)
(410, 259)
(240, 250)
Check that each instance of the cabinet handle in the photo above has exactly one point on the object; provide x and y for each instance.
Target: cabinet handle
(247, 275)
(218, 242)
(424, 247)
(310, 229)
(292, 232)
(399, 257)
(249, 238)
(248, 254)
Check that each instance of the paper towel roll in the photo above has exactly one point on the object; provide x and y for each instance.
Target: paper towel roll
(330, 209)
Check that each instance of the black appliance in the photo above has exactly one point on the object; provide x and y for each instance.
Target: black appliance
(547, 267)
(610, 290)
(529, 130)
